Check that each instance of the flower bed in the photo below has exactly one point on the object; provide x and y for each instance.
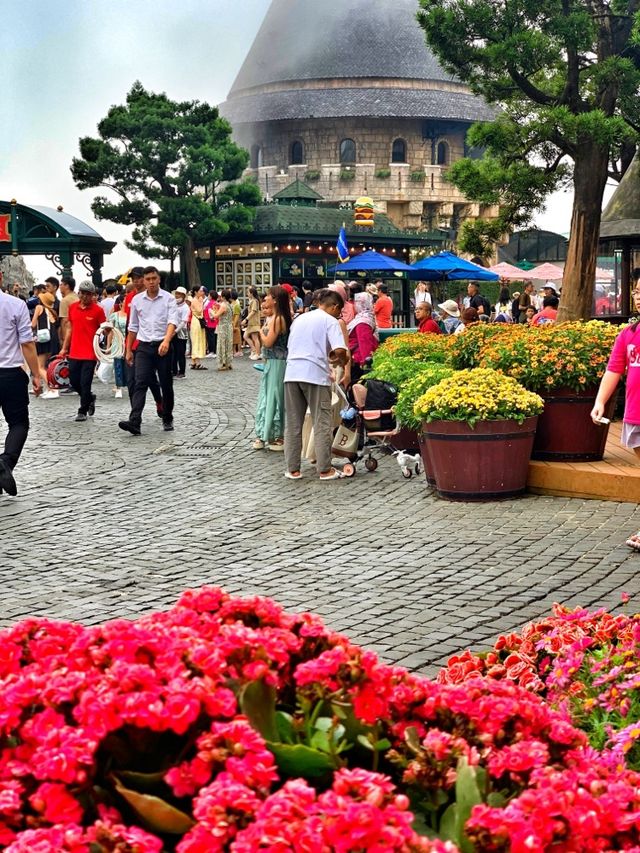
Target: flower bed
(573, 355)
(477, 395)
(226, 724)
(414, 345)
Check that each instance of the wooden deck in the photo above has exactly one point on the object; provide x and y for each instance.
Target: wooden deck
(616, 478)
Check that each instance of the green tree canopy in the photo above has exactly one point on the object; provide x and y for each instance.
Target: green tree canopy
(173, 169)
(565, 76)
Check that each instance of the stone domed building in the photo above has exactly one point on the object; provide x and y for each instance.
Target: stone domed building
(346, 96)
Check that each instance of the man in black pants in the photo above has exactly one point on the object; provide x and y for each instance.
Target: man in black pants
(16, 346)
(137, 280)
(152, 322)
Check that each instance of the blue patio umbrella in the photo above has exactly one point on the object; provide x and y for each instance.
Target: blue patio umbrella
(449, 267)
(374, 261)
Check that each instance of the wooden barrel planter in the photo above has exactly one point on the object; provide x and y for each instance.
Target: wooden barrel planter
(565, 430)
(406, 439)
(427, 461)
(487, 463)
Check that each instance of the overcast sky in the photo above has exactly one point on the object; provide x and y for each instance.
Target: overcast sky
(65, 62)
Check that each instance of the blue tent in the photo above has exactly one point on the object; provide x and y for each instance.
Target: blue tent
(447, 266)
(374, 261)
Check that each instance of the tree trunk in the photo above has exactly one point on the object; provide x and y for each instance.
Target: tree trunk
(190, 264)
(589, 180)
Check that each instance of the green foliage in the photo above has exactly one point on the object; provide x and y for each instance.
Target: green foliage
(418, 176)
(382, 173)
(172, 167)
(347, 174)
(413, 388)
(312, 175)
(564, 75)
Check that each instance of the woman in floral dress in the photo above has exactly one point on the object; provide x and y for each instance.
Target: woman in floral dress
(224, 316)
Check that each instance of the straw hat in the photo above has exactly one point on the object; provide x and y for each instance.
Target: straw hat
(47, 299)
(450, 307)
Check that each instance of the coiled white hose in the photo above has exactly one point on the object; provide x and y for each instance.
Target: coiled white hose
(116, 350)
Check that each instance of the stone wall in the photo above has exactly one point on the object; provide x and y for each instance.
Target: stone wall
(415, 194)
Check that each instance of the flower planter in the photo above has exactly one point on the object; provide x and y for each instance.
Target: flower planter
(565, 429)
(427, 461)
(485, 463)
(406, 439)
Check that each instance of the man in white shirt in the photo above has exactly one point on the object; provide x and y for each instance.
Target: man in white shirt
(152, 322)
(16, 347)
(315, 343)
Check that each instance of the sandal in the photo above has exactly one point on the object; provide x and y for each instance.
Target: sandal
(258, 444)
(634, 541)
(335, 475)
(293, 476)
(200, 367)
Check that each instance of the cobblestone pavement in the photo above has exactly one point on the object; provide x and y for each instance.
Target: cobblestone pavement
(106, 525)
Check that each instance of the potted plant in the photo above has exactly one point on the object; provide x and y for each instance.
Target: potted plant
(402, 372)
(479, 426)
(415, 345)
(564, 364)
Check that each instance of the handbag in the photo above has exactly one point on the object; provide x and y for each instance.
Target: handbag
(203, 325)
(345, 442)
(43, 336)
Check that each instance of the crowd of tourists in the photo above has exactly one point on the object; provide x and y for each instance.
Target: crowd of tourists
(305, 339)
(451, 317)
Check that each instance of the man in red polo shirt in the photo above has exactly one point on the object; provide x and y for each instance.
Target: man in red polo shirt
(85, 318)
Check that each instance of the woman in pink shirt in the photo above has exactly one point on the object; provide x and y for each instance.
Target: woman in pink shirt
(625, 358)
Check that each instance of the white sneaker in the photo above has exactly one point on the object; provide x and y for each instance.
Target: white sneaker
(254, 357)
(118, 393)
(50, 395)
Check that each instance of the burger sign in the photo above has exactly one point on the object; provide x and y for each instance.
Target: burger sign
(363, 212)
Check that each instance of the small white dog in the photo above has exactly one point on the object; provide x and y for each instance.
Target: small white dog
(408, 462)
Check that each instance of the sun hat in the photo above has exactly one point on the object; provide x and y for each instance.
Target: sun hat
(372, 289)
(47, 299)
(182, 290)
(450, 307)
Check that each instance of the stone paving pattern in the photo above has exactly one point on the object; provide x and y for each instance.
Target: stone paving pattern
(109, 525)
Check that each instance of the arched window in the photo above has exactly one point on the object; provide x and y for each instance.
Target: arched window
(257, 159)
(442, 154)
(399, 151)
(297, 153)
(347, 152)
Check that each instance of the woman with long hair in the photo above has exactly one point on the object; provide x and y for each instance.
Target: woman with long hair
(196, 331)
(43, 325)
(273, 337)
(252, 324)
(503, 306)
(223, 315)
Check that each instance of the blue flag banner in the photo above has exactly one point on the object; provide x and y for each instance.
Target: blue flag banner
(341, 246)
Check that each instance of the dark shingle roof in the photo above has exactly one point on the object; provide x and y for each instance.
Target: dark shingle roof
(298, 190)
(311, 39)
(325, 222)
(368, 102)
(621, 217)
(367, 40)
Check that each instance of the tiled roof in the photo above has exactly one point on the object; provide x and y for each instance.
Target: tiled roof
(297, 189)
(316, 39)
(369, 102)
(621, 217)
(325, 222)
(364, 40)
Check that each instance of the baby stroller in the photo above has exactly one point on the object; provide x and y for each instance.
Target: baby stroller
(377, 431)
